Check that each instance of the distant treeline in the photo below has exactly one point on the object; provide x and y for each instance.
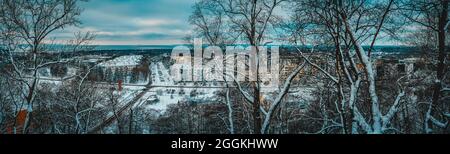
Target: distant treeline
(283, 48)
(156, 50)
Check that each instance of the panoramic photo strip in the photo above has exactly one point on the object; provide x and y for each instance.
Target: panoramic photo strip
(223, 75)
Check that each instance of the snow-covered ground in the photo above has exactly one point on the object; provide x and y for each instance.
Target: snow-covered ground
(123, 61)
(170, 95)
(169, 92)
(165, 91)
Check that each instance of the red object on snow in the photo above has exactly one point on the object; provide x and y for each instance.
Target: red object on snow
(19, 123)
(21, 117)
(120, 85)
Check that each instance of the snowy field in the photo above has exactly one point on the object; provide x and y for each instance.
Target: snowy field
(170, 95)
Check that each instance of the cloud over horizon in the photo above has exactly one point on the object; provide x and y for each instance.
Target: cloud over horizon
(134, 22)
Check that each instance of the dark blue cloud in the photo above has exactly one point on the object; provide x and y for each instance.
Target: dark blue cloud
(143, 36)
(143, 21)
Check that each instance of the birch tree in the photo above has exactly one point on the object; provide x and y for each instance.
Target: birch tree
(25, 27)
(349, 24)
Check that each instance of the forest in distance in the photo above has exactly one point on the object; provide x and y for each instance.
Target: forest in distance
(341, 67)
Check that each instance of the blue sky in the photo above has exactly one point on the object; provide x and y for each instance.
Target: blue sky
(134, 22)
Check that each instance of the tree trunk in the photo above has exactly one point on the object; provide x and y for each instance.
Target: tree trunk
(441, 67)
(130, 127)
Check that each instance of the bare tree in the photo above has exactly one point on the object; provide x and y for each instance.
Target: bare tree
(251, 19)
(349, 24)
(432, 16)
(209, 23)
(252, 22)
(26, 26)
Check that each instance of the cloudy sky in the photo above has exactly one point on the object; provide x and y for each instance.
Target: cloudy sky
(134, 22)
